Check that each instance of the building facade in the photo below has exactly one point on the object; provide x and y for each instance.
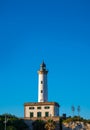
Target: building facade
(41, 109)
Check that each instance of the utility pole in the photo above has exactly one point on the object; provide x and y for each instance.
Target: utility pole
(73, 110)
(78, 109)
(5, 121)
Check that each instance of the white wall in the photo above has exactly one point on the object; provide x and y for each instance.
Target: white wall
(42, 97)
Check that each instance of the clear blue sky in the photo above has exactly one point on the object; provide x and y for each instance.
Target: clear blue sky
(57, 31)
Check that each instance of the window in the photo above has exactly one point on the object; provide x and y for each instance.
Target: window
(31, 114)
(38, 107)
(31, 107)
(38, 114)
(46, 114)
(41, 82)
(46, 107)
(41, 91)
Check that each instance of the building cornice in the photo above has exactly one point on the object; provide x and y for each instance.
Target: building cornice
(41, 104)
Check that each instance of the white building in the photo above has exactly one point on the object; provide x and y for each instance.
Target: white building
(42, 108)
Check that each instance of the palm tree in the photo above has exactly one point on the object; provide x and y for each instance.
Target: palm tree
(50, 125)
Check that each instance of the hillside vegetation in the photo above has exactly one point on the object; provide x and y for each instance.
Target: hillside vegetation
(11, 122)
(75, 118)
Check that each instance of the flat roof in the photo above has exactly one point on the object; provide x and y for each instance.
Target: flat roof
(41, 103)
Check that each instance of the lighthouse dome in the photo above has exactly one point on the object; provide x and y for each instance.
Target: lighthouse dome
(43, 66)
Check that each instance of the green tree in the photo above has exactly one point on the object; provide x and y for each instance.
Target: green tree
(11, 128)
(60, 123)
(13, 123)
(38, 125)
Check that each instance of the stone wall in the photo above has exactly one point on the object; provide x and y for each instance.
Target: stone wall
(75, 126)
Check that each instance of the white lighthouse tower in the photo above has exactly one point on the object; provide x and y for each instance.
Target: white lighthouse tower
(41, 109)
(42, 84)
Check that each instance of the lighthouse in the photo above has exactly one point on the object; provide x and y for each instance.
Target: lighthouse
(42, 109)
(42, 83)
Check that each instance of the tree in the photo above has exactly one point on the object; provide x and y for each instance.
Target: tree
(13, 123)
(38, 125)
(19, 124)
(1, 126)
(11, 128)
(60, 123)
(50, 125)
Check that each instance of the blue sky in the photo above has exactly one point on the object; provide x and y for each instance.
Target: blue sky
(56, 31)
